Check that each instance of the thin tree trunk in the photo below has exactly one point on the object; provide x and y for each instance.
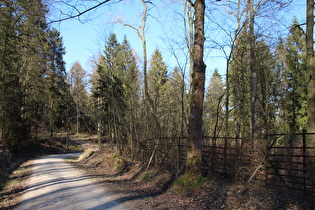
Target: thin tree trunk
(182, 107)
(51, 121)
(227, 99)
(228, 62)
(216, 125)
(99, 132)
(78, 117)
(253, 70)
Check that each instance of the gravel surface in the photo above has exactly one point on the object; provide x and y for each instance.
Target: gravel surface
(55, 184)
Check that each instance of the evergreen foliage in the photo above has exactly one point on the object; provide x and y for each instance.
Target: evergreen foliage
(116, 90)
(291, 56)
(266, 91)
(32, 74)
(213, 115)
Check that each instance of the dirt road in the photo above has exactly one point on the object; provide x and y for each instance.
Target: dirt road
(55, 184)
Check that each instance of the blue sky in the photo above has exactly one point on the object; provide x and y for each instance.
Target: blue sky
(85, 39)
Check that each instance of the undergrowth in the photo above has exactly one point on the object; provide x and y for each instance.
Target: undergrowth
(187, 186)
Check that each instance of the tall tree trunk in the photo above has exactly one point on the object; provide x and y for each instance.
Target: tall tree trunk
(182, 106)
(310, 72)
(99, 123)
(197, 87)
(148, 102)
(227, 98)
(253, 70)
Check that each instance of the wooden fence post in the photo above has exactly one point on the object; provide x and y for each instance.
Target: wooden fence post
(213, 154)
(304, 160)
(267, 160)
(225, 154)
(237, 157)
(179, 155)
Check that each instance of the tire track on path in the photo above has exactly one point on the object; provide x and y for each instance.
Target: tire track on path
(55, 184)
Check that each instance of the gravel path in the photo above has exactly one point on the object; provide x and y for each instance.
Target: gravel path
(55, 184)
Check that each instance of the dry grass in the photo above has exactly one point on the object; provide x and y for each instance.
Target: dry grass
(155, 189)
(10, 195)
(152, 189)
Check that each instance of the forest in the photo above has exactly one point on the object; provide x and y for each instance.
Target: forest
(268, 86)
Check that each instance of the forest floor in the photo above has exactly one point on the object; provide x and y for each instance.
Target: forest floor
(154, 188)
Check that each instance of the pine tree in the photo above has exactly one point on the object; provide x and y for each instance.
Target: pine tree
(157, 77)
(131, 88)
(213, 106)
(292, 59)
(22, 62)
(240, 86)
(173, 101)
(56, 81)
(111, 92)
(242, 90)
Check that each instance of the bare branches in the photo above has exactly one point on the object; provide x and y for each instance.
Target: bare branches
(80, 13)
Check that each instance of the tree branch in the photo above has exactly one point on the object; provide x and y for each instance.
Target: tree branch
(80, 13)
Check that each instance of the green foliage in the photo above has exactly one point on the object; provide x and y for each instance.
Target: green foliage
(23, 59)
(157, 75)
(213, 112)
(291, 56)
(174, 102)
(157, 78)
(115, 90)
(242, 90)
(147, 176)
(56, 81)
(32, 72)
(119, 162)
(186, 185)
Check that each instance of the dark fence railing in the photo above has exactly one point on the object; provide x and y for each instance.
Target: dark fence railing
(282, 160)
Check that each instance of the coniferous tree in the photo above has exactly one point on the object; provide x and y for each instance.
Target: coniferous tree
(111, 92)
(131, 88)
(241, 85)
(23, 61)
(157, 77)
(291, 57)
(213, 106)
(56, 81)
(173, 101)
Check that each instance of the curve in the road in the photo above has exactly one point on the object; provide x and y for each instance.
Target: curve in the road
(55, 184)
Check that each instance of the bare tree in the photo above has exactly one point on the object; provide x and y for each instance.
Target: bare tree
(228, 49)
